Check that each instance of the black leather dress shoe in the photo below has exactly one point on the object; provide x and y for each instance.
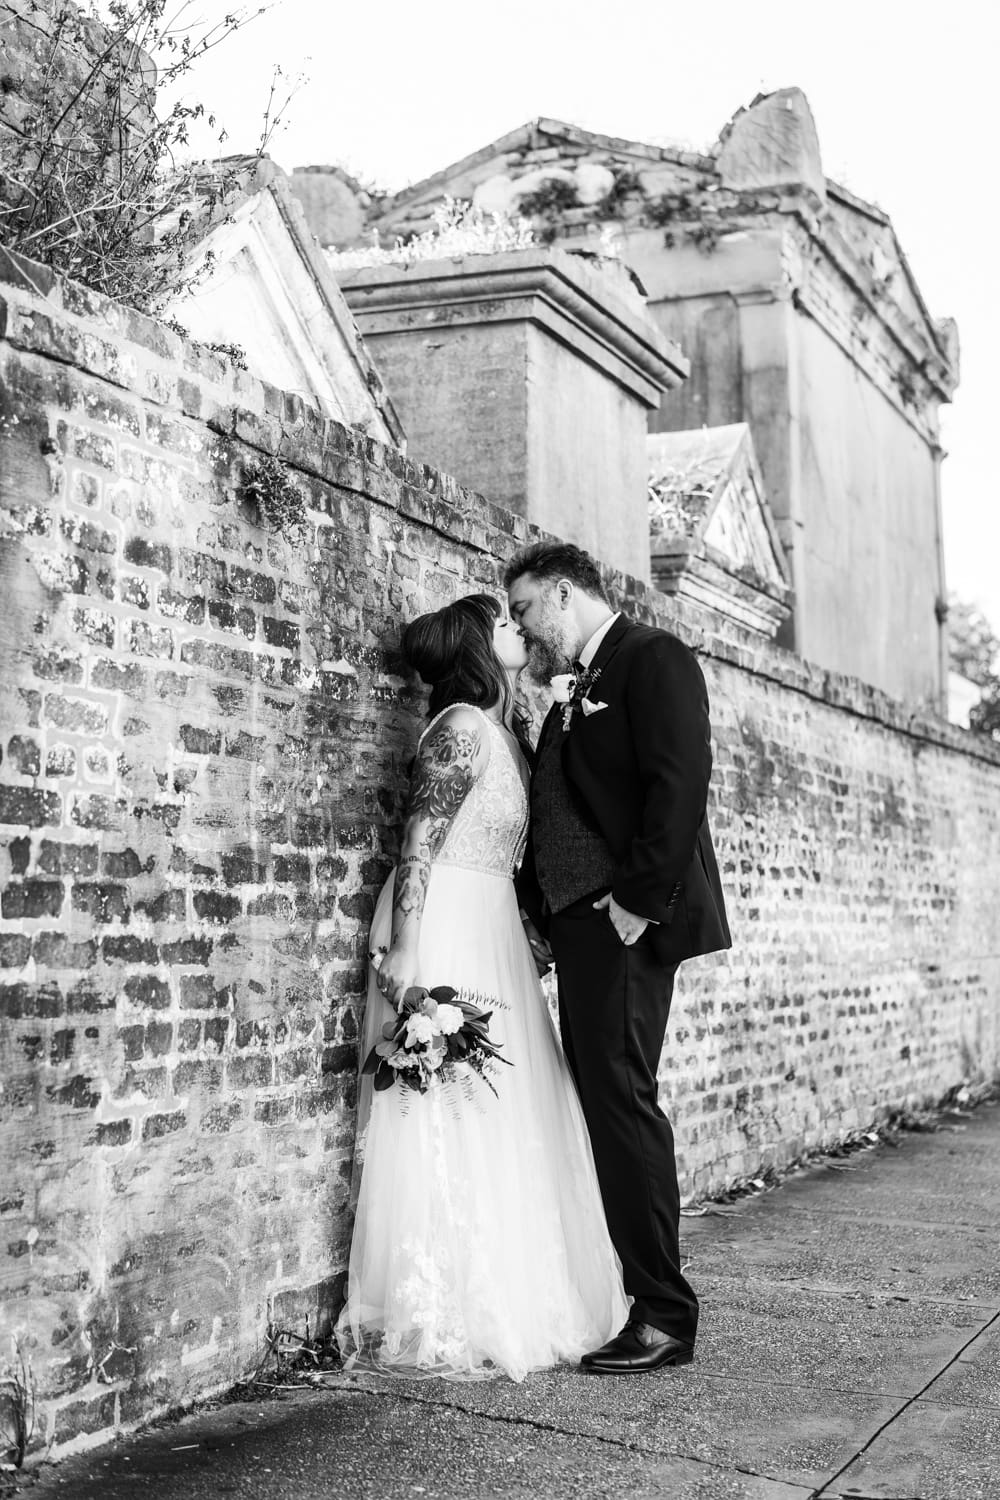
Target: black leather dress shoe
(637, 1348)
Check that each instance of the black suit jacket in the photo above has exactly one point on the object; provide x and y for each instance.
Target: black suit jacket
(640, 770)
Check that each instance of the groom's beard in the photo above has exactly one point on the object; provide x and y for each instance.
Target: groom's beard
(549, 653)
(545, 661)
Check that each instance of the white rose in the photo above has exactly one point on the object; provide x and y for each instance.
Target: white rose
(449, 1019)
(562, 686)
(419, 1029)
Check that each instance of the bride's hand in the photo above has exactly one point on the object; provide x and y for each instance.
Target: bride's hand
(396, 974)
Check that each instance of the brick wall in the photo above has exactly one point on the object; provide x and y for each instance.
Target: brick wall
(203, 740)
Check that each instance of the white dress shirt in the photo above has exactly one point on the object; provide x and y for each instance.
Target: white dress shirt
(590, 649)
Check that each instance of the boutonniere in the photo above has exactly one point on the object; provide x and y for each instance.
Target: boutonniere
(571, 689)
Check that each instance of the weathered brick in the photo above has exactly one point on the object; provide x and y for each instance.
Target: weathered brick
(60, 760)
(246, 746)
(125, 864)
(189, 1036)
(292, 869)
(215, 906)
(18, 1001)
(29, 806)
(81, 715)
(249, 1072)
(57, 950)
(283, 633)
(158, 1038)
(32, 898)
(77, 1093)
(113, 1133)
(190, 608)
(56, 858)
(19, 854)
(102, 901)
(148, 991)
(95, 811)
(154, 1127)
(95, 625)
(119, 677)
(23, 755)
(242, 867)
(87, 998)
(274, 1111)
(188, 950)
(127, 948)
(15, 949)
(339, 1059)
(200, 1074)
(88, 536)
(199, 992)
(217, 658)
(143, 639)
(62, 1045)
(251, 585)
(142, 553)
(133, 1041)
(134, 591)
(166, 906)
(215, 1030)
(200, 741)
(226, 616)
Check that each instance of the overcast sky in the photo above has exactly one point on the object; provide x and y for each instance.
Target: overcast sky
(903, 94)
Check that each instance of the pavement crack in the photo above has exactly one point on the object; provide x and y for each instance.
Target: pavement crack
(595, 1437)
(824, 1489)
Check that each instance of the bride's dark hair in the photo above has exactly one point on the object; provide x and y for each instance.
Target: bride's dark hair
(453, 651)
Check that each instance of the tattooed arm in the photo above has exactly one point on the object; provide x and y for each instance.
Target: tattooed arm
(448, 762)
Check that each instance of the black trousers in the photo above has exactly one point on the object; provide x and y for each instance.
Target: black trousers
(613, 1007)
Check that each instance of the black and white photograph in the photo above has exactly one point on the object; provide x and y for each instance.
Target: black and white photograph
(499, 751)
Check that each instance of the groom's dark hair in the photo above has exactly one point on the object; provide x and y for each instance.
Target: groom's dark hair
(549, 560)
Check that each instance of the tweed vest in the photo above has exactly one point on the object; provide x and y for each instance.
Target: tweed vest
(571, 859)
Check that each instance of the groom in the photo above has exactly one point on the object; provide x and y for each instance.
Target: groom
(621, 878)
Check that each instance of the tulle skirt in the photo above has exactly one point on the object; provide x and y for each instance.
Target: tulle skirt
(480, 1244)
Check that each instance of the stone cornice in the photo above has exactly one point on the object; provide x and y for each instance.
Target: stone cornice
(550, 288)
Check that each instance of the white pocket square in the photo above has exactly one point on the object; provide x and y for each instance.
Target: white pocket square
(592, 708)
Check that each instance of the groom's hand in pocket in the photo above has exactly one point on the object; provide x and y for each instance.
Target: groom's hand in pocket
(540, 950)
(628, 926)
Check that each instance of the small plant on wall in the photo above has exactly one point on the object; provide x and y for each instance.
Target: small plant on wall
(268, 487)
(17, 1408)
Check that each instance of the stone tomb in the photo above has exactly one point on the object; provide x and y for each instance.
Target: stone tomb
(528, 375)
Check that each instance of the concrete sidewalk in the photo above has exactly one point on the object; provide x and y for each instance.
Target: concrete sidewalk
(850, 1347)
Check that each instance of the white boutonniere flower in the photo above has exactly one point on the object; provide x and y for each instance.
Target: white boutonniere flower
(590, 707)
(562, 686)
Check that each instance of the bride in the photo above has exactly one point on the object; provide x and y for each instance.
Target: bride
(480, 1244)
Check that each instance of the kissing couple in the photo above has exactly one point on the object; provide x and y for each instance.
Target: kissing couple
(529, 1215)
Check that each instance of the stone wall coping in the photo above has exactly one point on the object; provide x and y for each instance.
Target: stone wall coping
(555, 277)
(59, 319)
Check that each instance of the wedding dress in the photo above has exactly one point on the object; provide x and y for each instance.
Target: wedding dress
(480, 1244)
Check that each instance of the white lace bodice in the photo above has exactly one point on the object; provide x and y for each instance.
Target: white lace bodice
(491, 826)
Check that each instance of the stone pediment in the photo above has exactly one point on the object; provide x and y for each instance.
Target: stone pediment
(712, 536)
(266, 287)
(537, 155)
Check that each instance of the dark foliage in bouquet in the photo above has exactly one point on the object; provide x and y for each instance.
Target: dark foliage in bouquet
(435, 1035)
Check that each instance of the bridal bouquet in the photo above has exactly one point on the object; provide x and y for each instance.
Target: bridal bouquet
(433, 1039)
